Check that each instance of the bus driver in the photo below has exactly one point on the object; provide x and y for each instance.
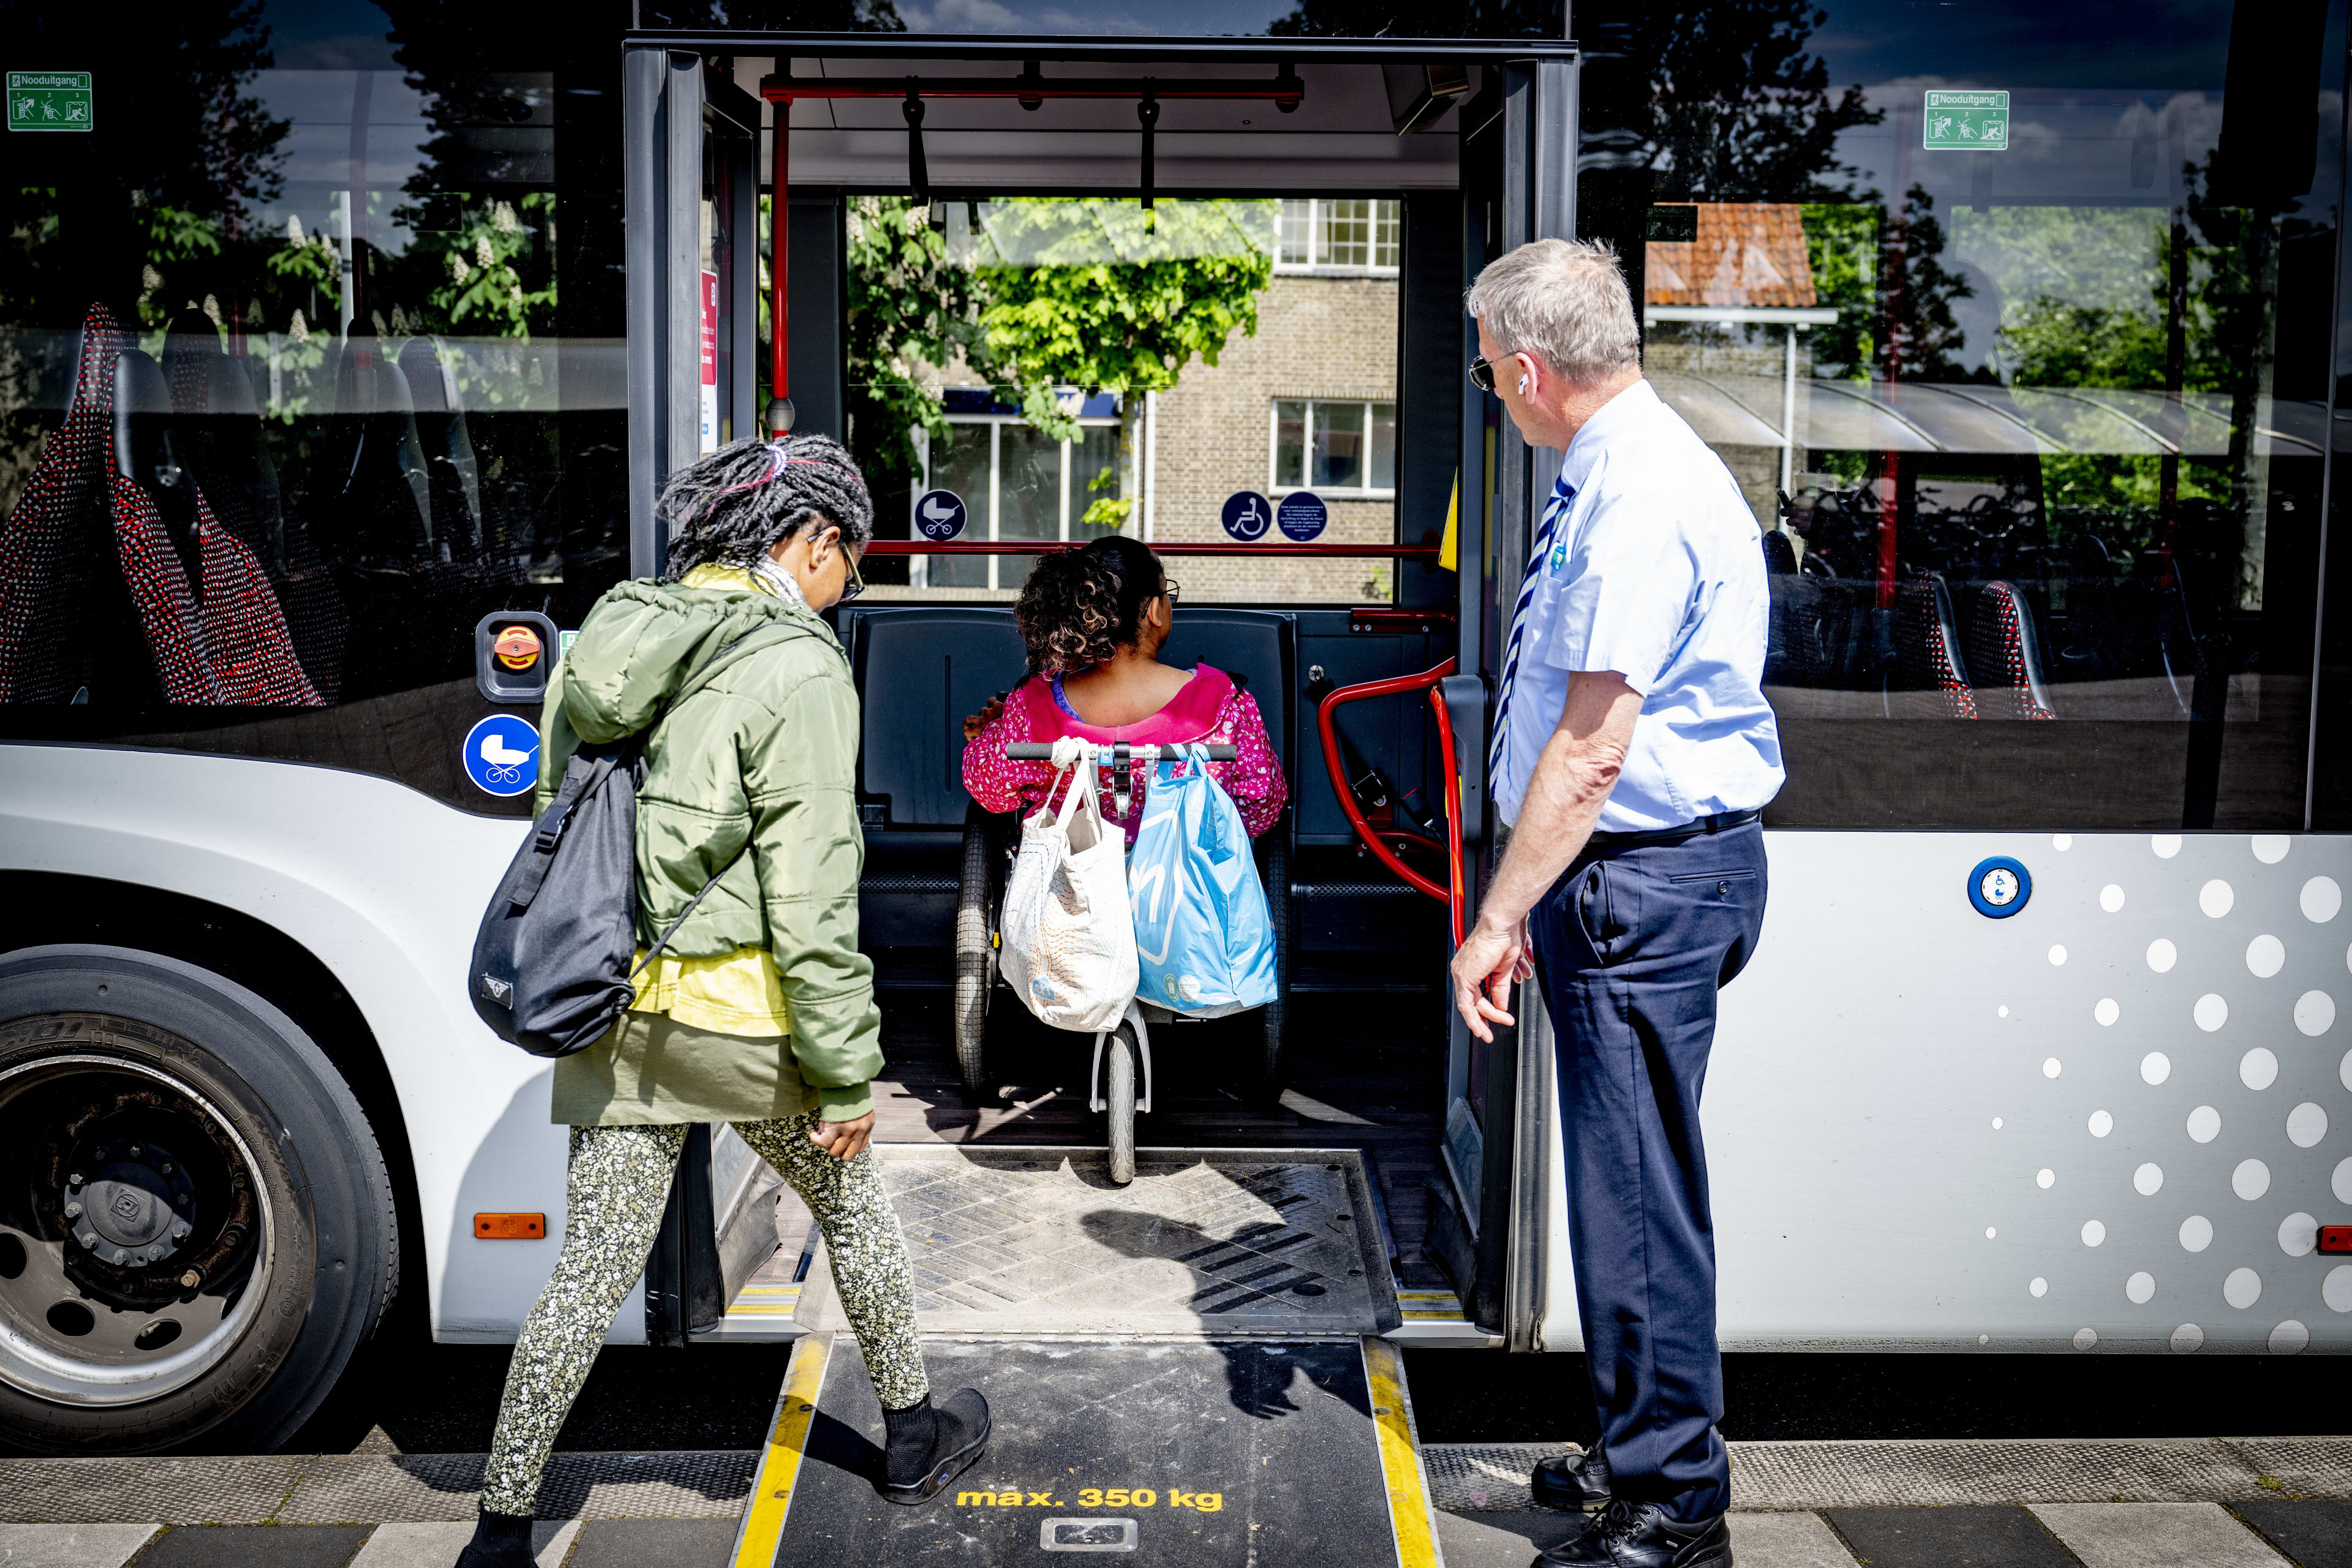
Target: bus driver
(1632, 754)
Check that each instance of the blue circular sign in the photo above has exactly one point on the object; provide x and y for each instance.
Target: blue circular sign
(1301, 516)
(502, 754)
(1999, 887)
(939, 515)
(1247, 516)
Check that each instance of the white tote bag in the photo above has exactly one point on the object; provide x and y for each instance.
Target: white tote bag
(1068, 935)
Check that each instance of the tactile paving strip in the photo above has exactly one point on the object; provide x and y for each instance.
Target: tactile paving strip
(364, 1489)
(1222, 1243)
(1482, 1478)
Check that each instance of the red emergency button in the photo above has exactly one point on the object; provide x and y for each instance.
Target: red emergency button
(517, 648)
(2336, 1238)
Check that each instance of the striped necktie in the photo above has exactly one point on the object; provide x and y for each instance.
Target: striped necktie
(1553, 512)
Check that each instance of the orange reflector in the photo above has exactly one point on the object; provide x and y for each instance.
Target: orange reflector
(511, 1226)
(517, 648)
(2336, 1238)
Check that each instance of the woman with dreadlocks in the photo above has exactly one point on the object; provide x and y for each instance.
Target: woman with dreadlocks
(761, 1011)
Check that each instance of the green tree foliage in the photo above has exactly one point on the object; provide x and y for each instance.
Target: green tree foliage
(1096, 294)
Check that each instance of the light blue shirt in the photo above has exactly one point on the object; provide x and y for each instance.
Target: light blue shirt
(1655, 572)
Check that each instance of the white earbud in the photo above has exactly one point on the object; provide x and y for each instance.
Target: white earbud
(1523, 386)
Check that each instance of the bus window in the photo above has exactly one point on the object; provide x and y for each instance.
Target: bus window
(1075, 367)
(301, 387)
(2022, 373)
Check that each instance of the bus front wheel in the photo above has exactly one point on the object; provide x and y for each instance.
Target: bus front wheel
(197, 1227)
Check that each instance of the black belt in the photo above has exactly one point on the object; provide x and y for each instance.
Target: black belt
(1721, 822)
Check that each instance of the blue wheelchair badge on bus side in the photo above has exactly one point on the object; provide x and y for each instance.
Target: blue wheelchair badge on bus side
(1302, 516)
(939, 515)
(1246, 516)
(1999, 887)
(502, 754)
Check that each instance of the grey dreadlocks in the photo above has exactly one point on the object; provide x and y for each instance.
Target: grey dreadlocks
(733, 505)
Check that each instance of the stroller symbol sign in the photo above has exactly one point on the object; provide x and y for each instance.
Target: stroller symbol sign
(501, 754)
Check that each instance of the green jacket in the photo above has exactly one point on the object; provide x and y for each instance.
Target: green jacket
(764, 750)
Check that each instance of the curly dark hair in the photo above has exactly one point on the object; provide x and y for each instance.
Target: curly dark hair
(733, 505)
(1080, 607)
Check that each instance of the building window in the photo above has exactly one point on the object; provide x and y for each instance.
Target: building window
(1334, 448)
(1354, 234)
(1017, 484)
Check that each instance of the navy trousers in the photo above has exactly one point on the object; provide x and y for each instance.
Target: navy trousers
(1631, 945)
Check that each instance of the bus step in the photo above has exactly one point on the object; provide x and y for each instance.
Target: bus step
(1192, 1453)
(1038, 1243)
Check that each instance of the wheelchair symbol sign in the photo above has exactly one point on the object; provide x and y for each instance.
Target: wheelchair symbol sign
(939, 516)
(1246, 516)
(501, 754)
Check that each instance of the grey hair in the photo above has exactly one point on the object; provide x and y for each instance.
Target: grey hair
(1564, 302)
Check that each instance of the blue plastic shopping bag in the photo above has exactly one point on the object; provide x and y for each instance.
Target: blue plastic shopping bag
(1202, 932)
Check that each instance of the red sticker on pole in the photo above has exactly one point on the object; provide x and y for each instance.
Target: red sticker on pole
(709, 363)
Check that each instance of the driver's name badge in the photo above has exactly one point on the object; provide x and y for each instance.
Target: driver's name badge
(1558, 561)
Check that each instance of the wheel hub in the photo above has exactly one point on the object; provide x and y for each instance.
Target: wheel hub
(134, 1210)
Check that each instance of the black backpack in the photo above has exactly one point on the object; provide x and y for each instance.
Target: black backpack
(552, 970)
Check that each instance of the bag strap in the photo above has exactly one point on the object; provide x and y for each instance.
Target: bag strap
(579, 783)
(691, 905)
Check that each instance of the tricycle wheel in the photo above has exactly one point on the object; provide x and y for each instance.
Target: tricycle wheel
(1121, 1071)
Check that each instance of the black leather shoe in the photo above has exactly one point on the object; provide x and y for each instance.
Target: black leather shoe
(1577, 1482)
(501, 1540)
(1640, 1535)
(915, 1471)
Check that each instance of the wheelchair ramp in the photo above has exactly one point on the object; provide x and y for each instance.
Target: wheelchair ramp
(1188, 1453)
(1219, 1243)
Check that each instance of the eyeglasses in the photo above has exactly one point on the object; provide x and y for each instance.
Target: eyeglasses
(1482, 374)
(1174, 590)
(852, 584)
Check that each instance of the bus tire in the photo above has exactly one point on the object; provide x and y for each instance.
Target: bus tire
(975, 950)
(1118, 1088)
(199, 1232)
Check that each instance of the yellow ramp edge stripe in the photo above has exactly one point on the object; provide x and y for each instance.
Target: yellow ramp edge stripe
(1416, 1535)
(780, 1466)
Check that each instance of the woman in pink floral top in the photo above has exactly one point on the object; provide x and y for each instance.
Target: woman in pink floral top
(1095, 620)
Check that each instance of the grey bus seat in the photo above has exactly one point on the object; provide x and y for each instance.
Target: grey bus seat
(920, 670)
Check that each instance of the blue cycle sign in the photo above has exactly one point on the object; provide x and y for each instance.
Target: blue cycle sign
(1247, 516)
(939, 516)
(1302, 516)
(502, 754)
(50, 100)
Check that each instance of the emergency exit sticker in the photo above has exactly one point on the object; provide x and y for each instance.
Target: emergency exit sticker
(50, 100)
(1965, 122)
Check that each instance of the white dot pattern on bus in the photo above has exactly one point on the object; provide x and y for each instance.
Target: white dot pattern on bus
(2315, 1013)
(2174, 1095)
(2241, 1289)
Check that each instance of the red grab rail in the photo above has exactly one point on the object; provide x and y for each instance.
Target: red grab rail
(1427, 681)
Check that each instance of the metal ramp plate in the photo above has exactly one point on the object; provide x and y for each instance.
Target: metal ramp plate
(1205, 1242)
(1185, 1453)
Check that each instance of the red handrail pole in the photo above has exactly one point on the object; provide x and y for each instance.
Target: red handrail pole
(1447, 759)
(1324, 716)
(780, 364)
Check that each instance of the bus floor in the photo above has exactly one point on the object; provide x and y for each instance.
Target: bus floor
(1362, 1072)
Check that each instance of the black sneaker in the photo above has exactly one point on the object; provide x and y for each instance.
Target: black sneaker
(931, 1445)
(501, 1540)
(1576, 1482)
(1640, 1535)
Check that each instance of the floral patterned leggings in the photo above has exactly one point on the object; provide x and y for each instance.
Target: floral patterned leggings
(617, 1186)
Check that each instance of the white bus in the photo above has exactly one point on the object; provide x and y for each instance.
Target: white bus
(341, 369)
